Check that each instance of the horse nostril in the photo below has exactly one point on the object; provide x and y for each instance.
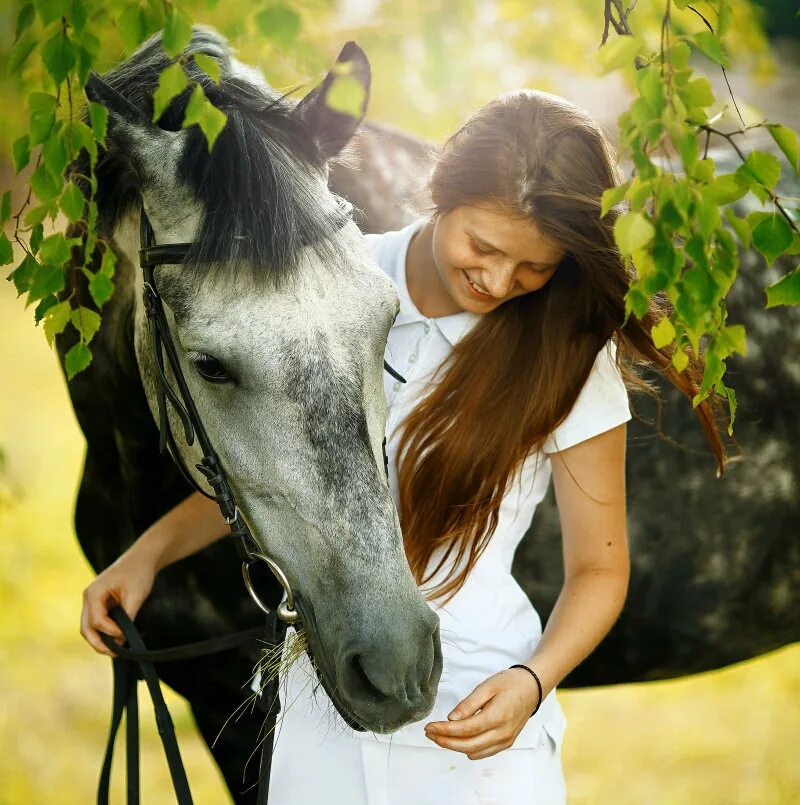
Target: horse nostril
(360, 681)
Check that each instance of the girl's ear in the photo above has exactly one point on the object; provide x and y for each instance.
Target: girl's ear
(345, 87)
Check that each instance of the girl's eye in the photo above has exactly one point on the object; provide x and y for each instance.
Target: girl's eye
(478, 248)
(210, 369)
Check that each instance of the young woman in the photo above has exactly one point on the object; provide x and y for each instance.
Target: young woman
(511, 337)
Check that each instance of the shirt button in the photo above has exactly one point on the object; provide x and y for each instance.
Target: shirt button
(427, 327)
(396, 385)
(412, 359)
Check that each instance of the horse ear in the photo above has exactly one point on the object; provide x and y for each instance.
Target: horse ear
(334, 109)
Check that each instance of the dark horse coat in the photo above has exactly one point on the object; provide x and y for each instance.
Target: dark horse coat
(715, 562)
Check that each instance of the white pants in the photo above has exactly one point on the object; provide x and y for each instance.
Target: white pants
(310, 767)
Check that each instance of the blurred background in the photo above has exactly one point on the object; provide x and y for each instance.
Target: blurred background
(731, 736)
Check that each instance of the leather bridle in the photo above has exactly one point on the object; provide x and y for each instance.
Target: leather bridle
(135, 661)
(151, 256)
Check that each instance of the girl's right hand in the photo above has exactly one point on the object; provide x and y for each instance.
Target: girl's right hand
(127, 582)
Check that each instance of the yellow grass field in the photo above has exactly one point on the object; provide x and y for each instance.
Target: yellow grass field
(726, 737)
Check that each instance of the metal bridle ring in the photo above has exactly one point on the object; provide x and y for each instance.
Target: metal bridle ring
(286, 611)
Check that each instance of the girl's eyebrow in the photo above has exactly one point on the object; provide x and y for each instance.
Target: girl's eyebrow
(488, 245)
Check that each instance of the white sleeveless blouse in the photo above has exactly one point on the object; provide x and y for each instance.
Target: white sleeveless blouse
(490, 623)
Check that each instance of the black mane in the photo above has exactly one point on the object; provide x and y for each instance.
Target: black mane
(260, 204)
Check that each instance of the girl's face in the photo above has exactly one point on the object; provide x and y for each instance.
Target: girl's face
(503, 256)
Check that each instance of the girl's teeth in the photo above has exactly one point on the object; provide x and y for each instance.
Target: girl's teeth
(478, 288)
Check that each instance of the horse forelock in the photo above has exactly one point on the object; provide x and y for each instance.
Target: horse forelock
(261, 192)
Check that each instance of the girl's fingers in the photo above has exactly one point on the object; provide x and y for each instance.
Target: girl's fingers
(492, 740)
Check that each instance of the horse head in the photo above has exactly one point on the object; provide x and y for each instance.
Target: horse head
(280, 318)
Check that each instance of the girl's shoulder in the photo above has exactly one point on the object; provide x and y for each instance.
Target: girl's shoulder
(601, 405)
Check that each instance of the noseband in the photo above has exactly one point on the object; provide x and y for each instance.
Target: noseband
(151, 256)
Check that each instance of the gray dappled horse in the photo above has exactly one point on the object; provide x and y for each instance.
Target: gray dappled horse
(280, 317)
(715, 562)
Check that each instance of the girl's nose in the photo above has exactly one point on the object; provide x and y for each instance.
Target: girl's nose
(500, 279)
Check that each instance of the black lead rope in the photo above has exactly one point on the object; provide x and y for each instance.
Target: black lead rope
(135, 663)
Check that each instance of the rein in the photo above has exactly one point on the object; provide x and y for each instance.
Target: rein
(136, 662)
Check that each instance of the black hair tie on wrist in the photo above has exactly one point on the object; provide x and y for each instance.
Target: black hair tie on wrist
(538, 684)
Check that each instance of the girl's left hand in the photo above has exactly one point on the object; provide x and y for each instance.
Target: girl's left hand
(505, 700)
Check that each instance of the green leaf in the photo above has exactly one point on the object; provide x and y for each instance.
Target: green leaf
(732, 339)
(772, 236)
(50, 10)
(19, 54)
(56, 320)
(177, 30)
(42, 107)
(34, 217)
(707, 215)
(740, 226)
(77, 359)
(21, 152)
(47, 279)
(54, 249)
(86, 321)
(636, 301)
(82, 137)
(101, 288)
(699, 286)
(36, 237)
(786, 291)
(732, 406)
(44, 185)
(6, 251)
(108, 264)
(41, 309)
(697, 93)
(280, 23)
(710, 44)
(209, 65)
(618, 52)
(761, 168)
(786, 139)
(612, 196)
(678, 55)
(78, 15)
(54, 153)
(689, 149)
(632, 231)
(202, 112)
(132, 27)
(171, 82)
(21, 275)
(72, 202)
(346, 95)
(663, 333)
(726, 189)
(59, 55)
(680, 360)
(652, 87)
(5, 208)
(24, 19)
(99, 117)
(703, 170)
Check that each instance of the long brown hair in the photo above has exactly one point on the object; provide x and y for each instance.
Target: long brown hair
(516, 375)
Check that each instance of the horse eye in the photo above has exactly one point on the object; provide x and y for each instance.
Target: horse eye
(210, 369)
